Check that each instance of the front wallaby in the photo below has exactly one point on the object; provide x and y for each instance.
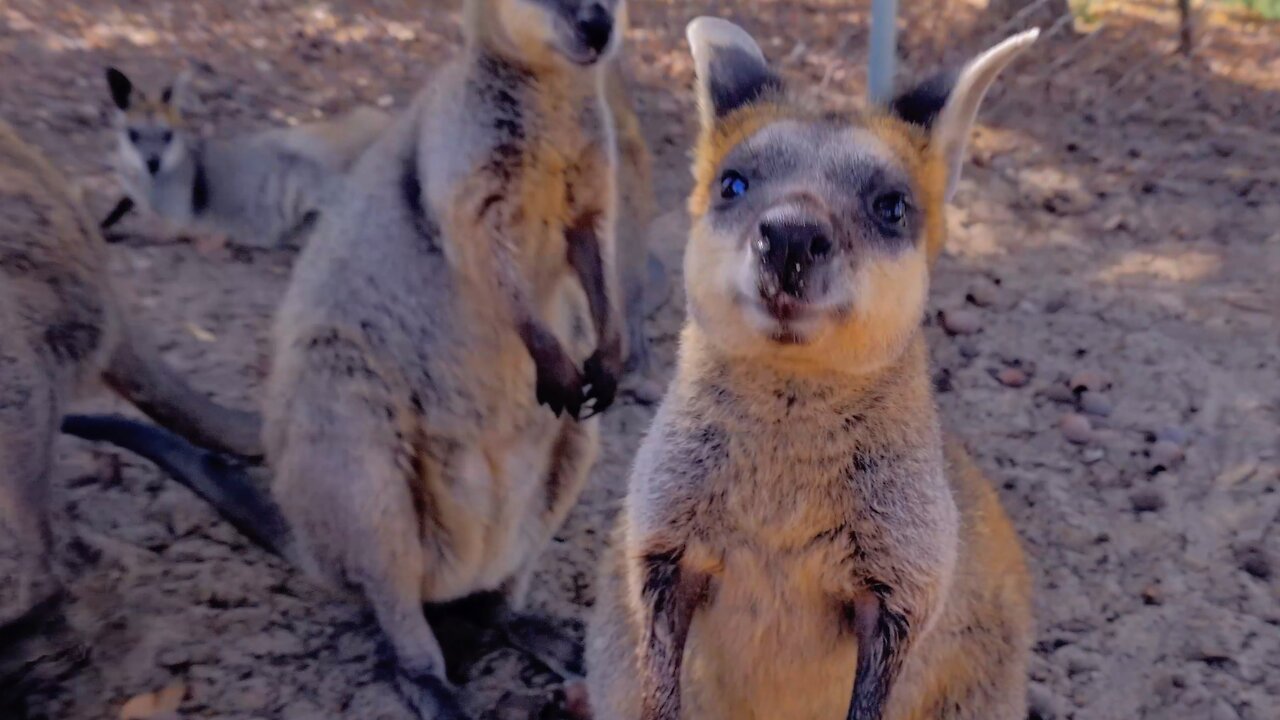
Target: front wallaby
(261, 189)
(799, 539)
(464, 278)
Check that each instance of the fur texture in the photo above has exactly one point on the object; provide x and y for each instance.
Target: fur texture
(798, 539)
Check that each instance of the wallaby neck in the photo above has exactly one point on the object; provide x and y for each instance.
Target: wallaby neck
(900, 385)
(181, 194)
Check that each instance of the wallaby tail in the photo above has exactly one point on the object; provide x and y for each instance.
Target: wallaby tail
(136, 372)
(222, 483)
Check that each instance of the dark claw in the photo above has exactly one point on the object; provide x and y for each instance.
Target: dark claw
(559, 382)
(600, 381)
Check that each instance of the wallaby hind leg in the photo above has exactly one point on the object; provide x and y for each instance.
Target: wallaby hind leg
(343, 482)
(26, 434)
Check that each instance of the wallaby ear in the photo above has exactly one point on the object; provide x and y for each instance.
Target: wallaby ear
(947, 105)
(730, 68)
(175, 94)
(121, 88)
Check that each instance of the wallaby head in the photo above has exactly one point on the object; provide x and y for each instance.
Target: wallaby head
(813, 232)
(151, 131)
(541, 32)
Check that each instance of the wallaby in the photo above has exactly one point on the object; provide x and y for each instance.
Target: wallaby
(636, 212)
(464, 278)
(262, 189)
(798, 539)
(60, 329)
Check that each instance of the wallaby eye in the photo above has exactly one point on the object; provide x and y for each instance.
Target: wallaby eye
(133, 135)
(732, 185)
(890, 209)
(166, 137)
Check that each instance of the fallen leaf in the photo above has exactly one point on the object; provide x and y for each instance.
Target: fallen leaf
(200, 333)
(153, 704)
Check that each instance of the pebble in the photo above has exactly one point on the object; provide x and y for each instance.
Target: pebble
(942, 381)
(1076, 428)
(1012, 377)
(968, 350)
(983, 293)
(1095, 403)
(1147, 501)
(1089, 380)
(1166, 454)
(1173, 434)
(1060, 393)
(1093, 455)
(1044, 704)
(960, 322)
(1255, 562)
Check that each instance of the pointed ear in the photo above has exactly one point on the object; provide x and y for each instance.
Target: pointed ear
(175, 94)
(121, 88)
(730, 67)
(947, 105)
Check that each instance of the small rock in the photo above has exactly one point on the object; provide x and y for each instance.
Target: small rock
(1076, 428)
(942, 381)
(1173, 434)
(1055, 305)
(1089, 380)
(1222, 710)
(1093, 455)
(984, 293)
(172, 657)
(1153, 595)
(968, 350)
(960, 322)
(1060, 393)
(1255, 562)
(1145, 501)
(1011, 377)
(1166, 454)
(1095, 403)
(1043, 704)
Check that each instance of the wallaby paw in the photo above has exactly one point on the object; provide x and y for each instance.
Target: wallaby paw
(600, 382)
(430, 696)
(559, 384)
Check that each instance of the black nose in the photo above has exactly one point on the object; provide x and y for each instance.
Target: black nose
(595, 27)
(790, 250)
(153, 165)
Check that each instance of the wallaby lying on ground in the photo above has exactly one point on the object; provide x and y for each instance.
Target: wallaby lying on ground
(60, 329)
(261, 189)
(799, 540)
(464, 277)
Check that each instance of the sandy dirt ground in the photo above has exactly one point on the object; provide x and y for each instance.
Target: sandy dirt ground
(1104, 333)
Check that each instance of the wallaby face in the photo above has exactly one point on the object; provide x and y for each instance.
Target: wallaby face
(582, 32)
(812, 233)
(152, 136)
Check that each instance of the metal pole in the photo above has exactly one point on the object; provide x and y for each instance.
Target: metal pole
(884, 51)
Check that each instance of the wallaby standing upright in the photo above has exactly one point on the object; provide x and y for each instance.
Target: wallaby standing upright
(798, 539)
(464, 277)
(260, 189)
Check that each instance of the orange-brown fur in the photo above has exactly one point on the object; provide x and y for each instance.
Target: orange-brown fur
(795, 510)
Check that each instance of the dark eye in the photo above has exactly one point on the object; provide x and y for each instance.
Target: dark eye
(890, 208)
(133, 136)
(732, 185)
(166, 137)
